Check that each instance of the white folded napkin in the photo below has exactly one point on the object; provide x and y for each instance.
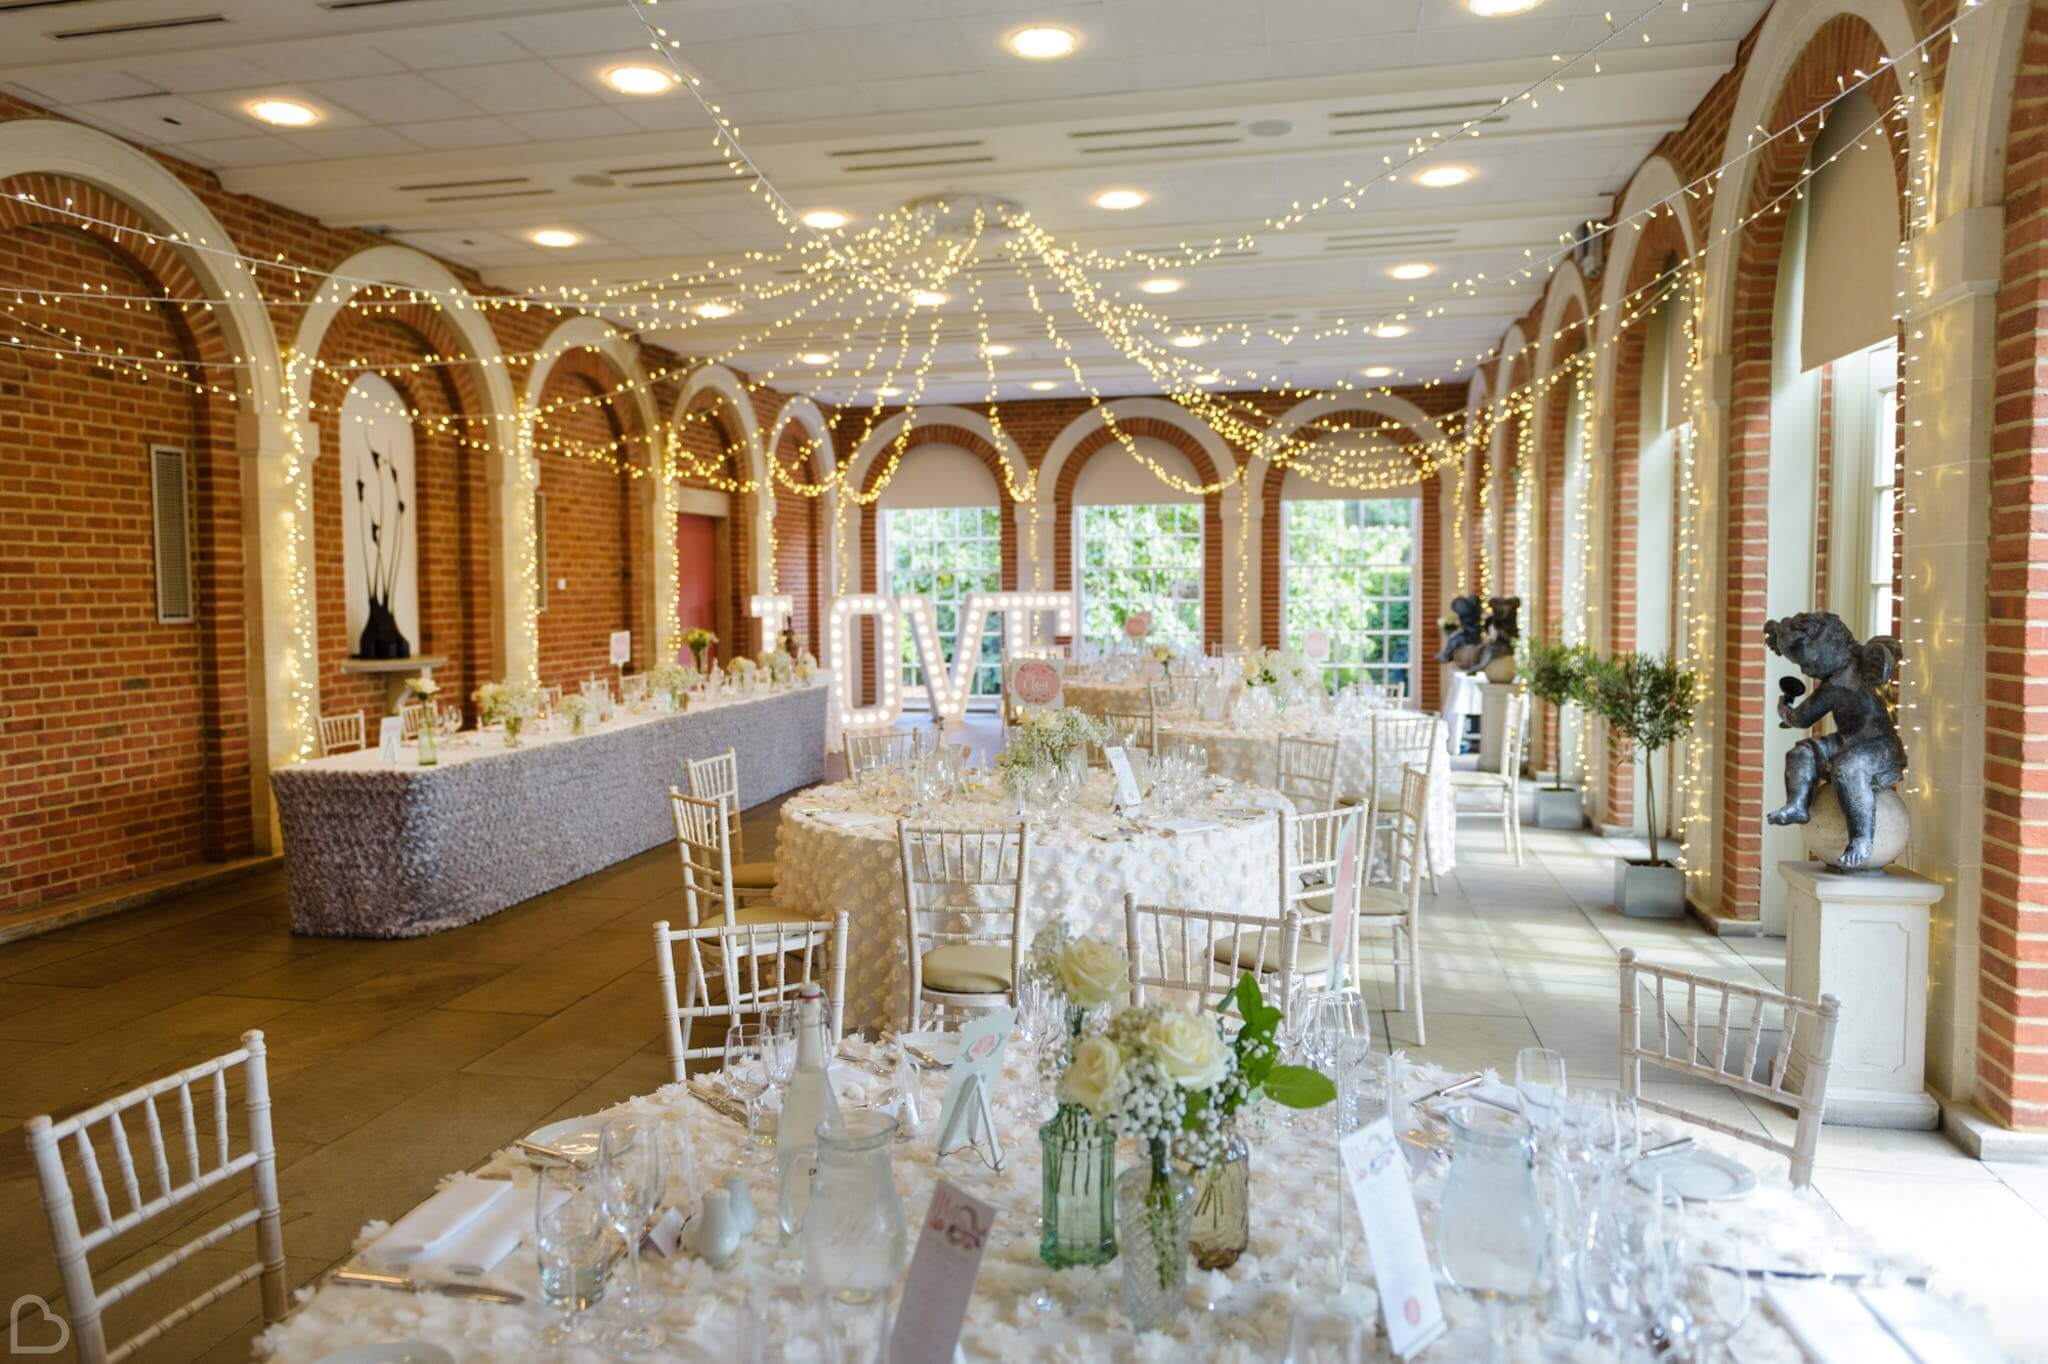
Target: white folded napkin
(1832, 1323)
(1933, 1330)
(428, 1230)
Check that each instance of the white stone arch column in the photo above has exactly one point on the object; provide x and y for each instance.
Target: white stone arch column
(1565, 286)
(1231, 508)
(805, 415)
(1499, 455)
(657, 514)
(1460, 500)
(508, 469)
(282, 638)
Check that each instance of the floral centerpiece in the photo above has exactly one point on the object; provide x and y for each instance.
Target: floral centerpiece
(1078, 1153)
(697, 639)
(423, 689)
(743, 670)
(778, 665)
(1280, 668)
(674, 681)
(577, 708)
(1048, 740)
(1162, 654)
(510, 702)
(806, 666)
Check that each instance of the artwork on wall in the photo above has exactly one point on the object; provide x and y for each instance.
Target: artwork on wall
(379, 520)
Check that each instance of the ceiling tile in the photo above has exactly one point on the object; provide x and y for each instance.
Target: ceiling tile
(570, 124)
(1181, 70)
(1156, 26)
(1342, 57)
(80, 87)
(428, 49)
(788, 106)
(777, 63)
(931, 48)
(326, 143)
(1315, 21)
(260, 150)
(325, 59)
(188, 74)
(403, 98)
(928, 92)
(455, 133)
(681, 115)
(165, 119)
(514, 87)
(566, 35)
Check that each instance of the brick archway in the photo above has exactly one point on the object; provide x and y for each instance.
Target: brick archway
(800, 535)
(723, 439)
(1565, 345)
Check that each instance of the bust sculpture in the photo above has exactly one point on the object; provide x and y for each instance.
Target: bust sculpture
(1503, 628)
(1463, 639)
(1863, 758)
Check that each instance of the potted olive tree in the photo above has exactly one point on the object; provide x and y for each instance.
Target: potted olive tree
(1647, 702)
(1556, 675)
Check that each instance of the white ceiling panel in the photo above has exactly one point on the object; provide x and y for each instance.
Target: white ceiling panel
(76, 87)
(324, 59)
(522, 87)
(260, 150)
(452, 134)
(405, 97)
(470, 46)
(164, 119)
(187, 76)
(349, 142)
(595, 121)
(600, 28)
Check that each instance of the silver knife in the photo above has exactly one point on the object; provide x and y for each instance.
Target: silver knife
(368, 1278)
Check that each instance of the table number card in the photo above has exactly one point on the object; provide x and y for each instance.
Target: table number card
(966, 1114)
(622, 648)
(1377, 1175)
(390, 737)
(1343, 900)
(941, 1278)
(1315, 645)
(1127, 793)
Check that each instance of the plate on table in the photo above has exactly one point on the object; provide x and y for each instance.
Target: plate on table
(936, 1050)
(1697, 1175)
(575, 1138)
(397, 1352)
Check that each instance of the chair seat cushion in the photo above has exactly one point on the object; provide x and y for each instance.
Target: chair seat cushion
(965, 968)
(1478, 781)
(1249, 949)
(1373, 902)
(753, 875)
(769, 913)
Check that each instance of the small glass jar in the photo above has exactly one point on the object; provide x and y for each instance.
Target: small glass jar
(1220, 1223)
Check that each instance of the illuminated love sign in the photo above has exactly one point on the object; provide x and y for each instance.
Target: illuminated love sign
(947, 686)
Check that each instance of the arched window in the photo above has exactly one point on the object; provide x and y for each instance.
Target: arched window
(1348, 568)
(941, 538)
(1138, 546)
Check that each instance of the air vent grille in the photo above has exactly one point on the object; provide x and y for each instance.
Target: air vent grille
(913, 156)
(1220, 132)
(143, 26)
(173, 535)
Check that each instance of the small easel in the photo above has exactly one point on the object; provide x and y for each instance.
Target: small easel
(972, 1125)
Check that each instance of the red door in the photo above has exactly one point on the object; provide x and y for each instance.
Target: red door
(696, 571)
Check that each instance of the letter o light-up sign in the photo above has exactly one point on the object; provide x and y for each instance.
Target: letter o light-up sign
(947, 687)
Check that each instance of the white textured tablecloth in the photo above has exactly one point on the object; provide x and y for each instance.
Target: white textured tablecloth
(1235, 1316)
(1250, 751)
(398, 852)
(836, 850)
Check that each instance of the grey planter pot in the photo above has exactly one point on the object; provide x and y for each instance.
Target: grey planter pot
(1560, 807)
(1644, 891)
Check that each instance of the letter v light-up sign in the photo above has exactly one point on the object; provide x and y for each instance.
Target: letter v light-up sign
(948, 687)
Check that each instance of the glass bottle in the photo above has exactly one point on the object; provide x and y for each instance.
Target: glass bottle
(807, 1105)
(1152, 1206)
(1220, 1224)
(429, 751)
(1078, 1163)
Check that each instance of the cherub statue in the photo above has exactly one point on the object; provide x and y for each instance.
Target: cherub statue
(1466, 635)
(1503, 628)
(1863, 756)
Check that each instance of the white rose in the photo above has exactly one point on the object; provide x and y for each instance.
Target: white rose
(1092, 971)
(1187, 1049)
(1092, 1073)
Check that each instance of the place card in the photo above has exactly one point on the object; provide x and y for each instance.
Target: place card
(1343, 901)
(1127, 794)
(1377, 1174)
(941, 1278)
(966, 1114)
(390, 739)
(1832, 1323)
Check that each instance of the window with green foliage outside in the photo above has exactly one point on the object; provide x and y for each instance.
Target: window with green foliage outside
(1348, 568)
(1141, 558)
(943, 554)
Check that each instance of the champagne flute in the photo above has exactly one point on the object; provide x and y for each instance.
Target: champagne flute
(632, 1177)
(1540, 1087)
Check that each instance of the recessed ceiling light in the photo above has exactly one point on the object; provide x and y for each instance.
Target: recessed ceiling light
(714, 310)
(1414, 269)
(283, 113)
(1443, 177)
(998, 349)
(826, 219)
(1378, 371)
(1500, 9)
(816, 357)
(929, 298)
(1041, 385)
(1043, 42)
(1189, 340)
(1164, 284)
(1117, 200)
(888, 391)
(639, 80)
(1211, 377)
(1388, 331)
(555, 236)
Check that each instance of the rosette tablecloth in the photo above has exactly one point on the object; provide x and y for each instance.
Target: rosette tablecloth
(836, 850)
(1097, 697)
(1249, 750)
(376, 851)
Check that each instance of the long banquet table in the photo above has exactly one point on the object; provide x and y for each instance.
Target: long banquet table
(375, 851)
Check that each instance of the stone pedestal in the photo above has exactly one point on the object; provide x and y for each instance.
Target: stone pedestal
(1493, 722)
(1863, 939)
(395, 671)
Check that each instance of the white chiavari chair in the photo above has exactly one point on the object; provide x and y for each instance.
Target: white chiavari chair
(757, 965)
(1176, 695)
(1498, 782)
(450, 721)
(704, 846)
(1400, 739)
(1794, 1073)
(1307, 771)
(718, 778)
(1393, 913)
(873, 752)
(632, 688)
(598, 690)
(410, 719)
(963, 905)
(207, 1164)
(341, 733)
(1311, 851)
(1198, 954)
(1133, 729)
(551, 699)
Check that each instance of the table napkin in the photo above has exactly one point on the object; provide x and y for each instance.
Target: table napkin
(1831, 1323)
(428, 1230)
(478, 1248)
(1931, 1329)
(1179, 825)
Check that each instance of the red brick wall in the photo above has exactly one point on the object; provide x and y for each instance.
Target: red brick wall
(2012, 1035)
(595, 535)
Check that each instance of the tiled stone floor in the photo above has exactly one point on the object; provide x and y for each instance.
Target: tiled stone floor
(396, 1062)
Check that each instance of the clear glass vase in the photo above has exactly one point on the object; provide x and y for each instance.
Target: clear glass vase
(1152, 1206)
(1079, 1181)
(1220, 1223)
(512, 724)
(429, 749)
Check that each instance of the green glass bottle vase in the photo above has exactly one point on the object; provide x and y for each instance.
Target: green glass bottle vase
(1079, 1165)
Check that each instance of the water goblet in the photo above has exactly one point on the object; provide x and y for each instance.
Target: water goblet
(632, 1178)
(746, 1074)
(572, 1244)
(1721, 1300)
(1540, 1088)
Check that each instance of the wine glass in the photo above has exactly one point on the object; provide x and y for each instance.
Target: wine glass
(1323, 1335)
(632, 1177)
(1721, 1300)
(571, 1243)
(1540, 1087)
(746, 1074)
(778, 1044)
(1343, 1030)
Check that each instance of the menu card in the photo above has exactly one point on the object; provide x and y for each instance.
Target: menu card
(390, 736)
(622, 648)
(1127, 793)
(1377, 1175)
(941, 1278)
